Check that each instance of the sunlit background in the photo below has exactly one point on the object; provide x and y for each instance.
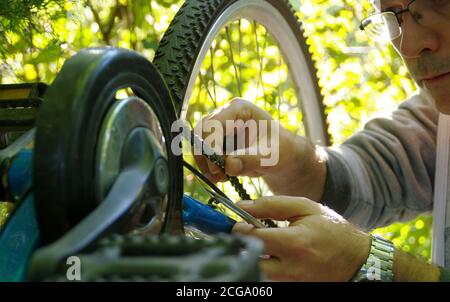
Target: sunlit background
(359, 80)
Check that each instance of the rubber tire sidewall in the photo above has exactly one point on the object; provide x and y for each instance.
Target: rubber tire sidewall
(176, 60)
(69, 123)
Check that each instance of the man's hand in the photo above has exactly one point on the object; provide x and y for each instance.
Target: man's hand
(300, 171)
(318, 245)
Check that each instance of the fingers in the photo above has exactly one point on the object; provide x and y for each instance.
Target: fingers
(274, 238)
(277, 249)
(235, 165)
(280, 208)
(213, 168)
(244, 163)
(238, 109)
(272, 268)
(206, 166)
(222, 123)
(278, 270)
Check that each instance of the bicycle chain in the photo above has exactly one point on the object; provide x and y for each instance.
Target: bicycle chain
(197, 141)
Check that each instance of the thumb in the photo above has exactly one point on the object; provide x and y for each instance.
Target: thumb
(244, 162)
(242, 165)
(280, 207)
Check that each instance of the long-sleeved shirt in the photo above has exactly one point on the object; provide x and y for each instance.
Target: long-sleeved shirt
(385, 173)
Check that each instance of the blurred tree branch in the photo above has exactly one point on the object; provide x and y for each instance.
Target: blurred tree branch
(105, 27)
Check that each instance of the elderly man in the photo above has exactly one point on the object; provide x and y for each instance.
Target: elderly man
(382, 174)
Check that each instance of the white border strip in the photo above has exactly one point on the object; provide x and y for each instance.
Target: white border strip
(440, 190)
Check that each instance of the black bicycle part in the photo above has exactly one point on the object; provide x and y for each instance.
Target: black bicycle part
(181, 44)
(68, 125)
(19, 104)
(219, 161)
(204, 179)
(268, 222)
(158, 258)
(112, 215)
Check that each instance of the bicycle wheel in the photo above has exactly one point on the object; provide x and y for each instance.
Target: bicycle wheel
(215, 50)
(91, 111)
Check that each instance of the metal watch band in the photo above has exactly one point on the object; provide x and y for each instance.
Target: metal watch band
(378, 266)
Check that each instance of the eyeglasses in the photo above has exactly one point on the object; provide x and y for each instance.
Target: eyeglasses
(387, 25)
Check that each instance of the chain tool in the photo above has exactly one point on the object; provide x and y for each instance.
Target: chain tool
(198, 144)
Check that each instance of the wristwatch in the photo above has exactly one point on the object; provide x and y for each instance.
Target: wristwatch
(378, 266)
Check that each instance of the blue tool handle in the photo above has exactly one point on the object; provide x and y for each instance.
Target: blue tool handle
(204, 218)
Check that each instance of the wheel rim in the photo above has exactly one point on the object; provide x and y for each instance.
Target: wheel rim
(269, 29)
(266, 15)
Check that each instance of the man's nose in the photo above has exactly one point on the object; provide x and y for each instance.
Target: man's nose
(416, 38)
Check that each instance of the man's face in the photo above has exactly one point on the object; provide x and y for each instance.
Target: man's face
(425, 48)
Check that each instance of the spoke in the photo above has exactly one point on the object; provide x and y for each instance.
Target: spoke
(262, 66)
(280, 95)
(258, 54)
(211, 51)
(191, 124)
(257, 188)
(240, 49)
(199, 93)
(202, 80)
(227, 29)
(262, 186)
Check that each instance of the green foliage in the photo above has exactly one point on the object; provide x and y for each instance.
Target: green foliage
(27, 38)
(359, 79)
(36, 36)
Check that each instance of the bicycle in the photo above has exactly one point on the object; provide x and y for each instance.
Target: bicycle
(215, 50)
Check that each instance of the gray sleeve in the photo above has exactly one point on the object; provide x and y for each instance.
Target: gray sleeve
(385, 172)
